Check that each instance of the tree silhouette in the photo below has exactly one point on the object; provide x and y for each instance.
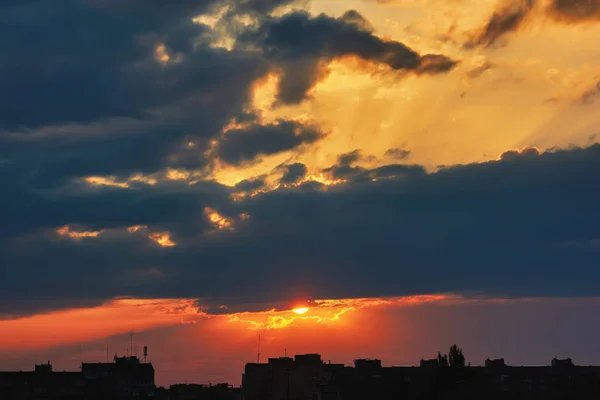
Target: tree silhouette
(456, 358)
(442, 360)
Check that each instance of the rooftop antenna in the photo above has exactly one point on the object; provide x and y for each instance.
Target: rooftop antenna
(106, 350)
(145, 353)
(131, 343)
(285, 352)
(258, 354)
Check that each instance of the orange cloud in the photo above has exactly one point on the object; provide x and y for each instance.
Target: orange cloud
(327, 311)
(163, 239)
(66, 231)
(86, 324)
(114, 182)
(218, 221)
(264, 92)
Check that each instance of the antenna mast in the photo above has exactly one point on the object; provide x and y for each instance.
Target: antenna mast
(258, 354)
(131, 343)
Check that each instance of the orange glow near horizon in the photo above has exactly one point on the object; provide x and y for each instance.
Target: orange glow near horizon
(328, 311)
(120, 316)
(86, 324)
(188, 343)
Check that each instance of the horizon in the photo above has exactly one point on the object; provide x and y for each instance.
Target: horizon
(468, 364)
(488, 328)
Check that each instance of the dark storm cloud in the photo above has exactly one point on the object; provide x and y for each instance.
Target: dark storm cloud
(258, 6)
(66, 66)
(495, 228)
(249, 185)
(398, 153)
(356, 174)
(82, 94)
(510, 17)
(299, 43)
(510, 155)
(349, 158)
(575, 10)
(293, 173)
(26, 208)
(246, 145)
(79, 101)
(345, 170)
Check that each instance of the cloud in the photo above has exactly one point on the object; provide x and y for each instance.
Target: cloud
(508, 18)
(575, 10)
(349, 173)
(591, 95)
(477, 71)
(512, 15)
(345, 170)
(301, 46)
(489, 227)
(102, 103)
(260, 7)
(245, 145)
(398, 153)
(530, 152)
(249, 185)
(127, 102)
(293, 173)
(64, 67)
(349, 158)
(94, 120)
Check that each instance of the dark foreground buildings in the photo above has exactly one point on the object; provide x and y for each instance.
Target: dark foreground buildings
(125, 378)
(221, 391)
(307, 377)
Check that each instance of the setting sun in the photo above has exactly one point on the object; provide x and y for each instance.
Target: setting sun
(301, 310)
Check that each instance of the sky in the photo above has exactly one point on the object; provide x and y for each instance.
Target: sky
(415, 173)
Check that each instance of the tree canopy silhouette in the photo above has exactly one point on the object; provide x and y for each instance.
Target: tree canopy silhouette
(455, 358)
(442, 360)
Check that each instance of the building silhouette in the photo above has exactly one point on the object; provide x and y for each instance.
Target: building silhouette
(220, 391)
(124, 378)
(307, 377)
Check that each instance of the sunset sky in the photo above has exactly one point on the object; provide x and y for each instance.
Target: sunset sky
(414, 173)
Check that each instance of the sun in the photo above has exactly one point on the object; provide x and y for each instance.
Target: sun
(300, 310)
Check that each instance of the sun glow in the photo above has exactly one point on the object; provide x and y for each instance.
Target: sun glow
(301, 310)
